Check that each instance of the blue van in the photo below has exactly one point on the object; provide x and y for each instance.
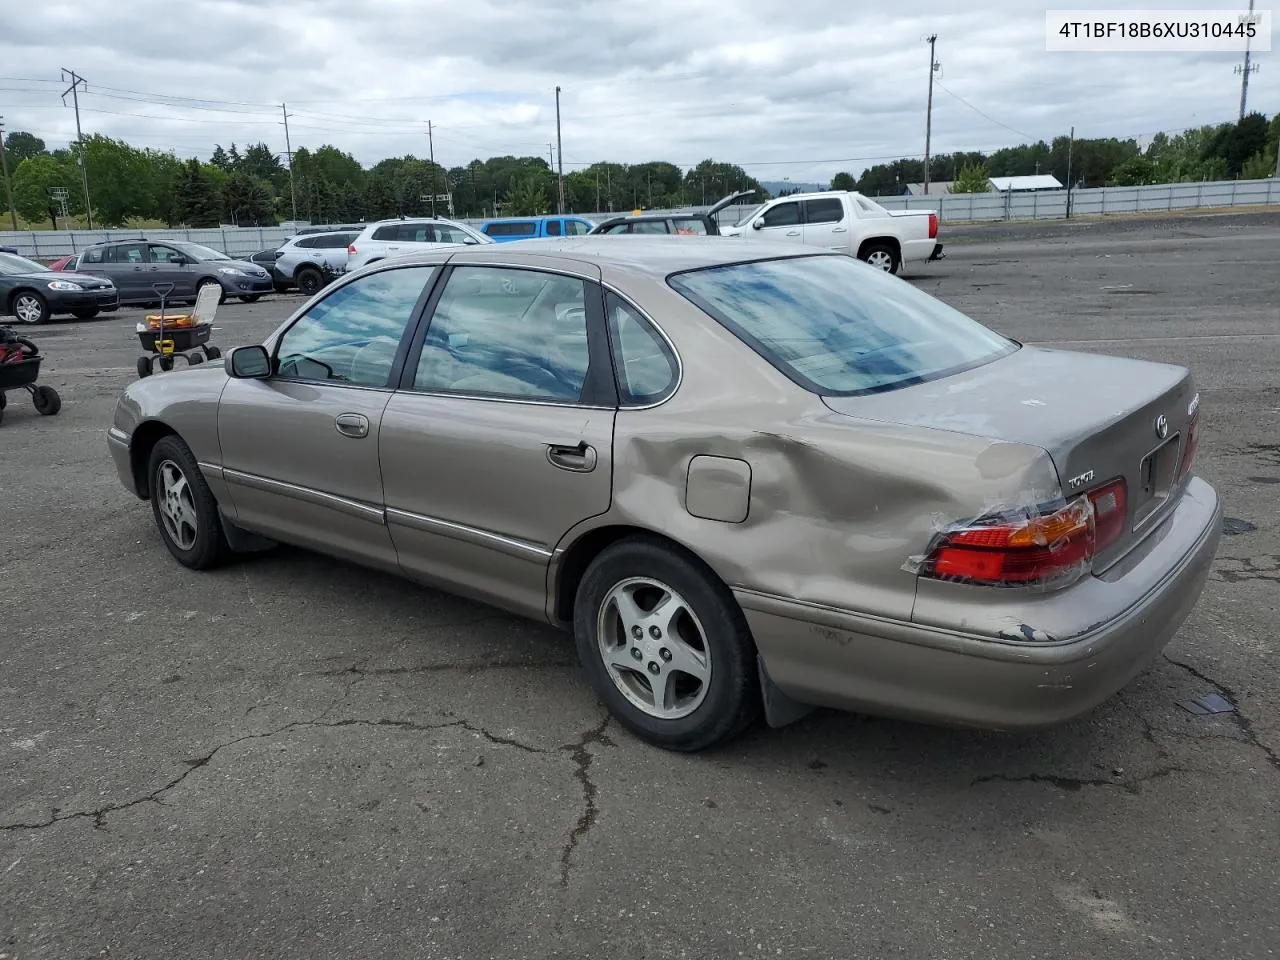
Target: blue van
(506, 229)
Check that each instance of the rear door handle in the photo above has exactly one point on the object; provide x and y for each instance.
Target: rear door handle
(839, 230)
(579, 457)
(793, 233)
(352, 424)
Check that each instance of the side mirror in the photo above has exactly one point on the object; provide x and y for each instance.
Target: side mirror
(179, 261)
(759, 222)
(248, 363)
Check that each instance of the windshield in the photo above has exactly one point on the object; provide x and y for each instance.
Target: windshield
(201, 252)
(837, 327)
(12, 265)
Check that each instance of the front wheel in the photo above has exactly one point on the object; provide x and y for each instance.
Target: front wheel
(251, 297)
(85, 314)
(183, 505)
(30, 307)
(666, 646)
(309, 281)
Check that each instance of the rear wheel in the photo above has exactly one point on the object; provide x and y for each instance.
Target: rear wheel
(30, 307)
(183, 505)
(309, 281)
(882, 256)
(666, 646)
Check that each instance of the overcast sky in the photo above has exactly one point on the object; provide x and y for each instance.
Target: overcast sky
(786, 88)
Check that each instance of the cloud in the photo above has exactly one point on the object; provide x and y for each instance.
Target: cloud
(798, 88)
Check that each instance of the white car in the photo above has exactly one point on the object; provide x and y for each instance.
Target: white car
(395, 238)
(846, 221)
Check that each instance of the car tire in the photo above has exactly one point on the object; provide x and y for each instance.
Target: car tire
(210, 282)
(30, 307)
(144, 367)
(708, 704)
(88, 314)
(251, 297)
(882, 256)
(183, 506)
(309, 281)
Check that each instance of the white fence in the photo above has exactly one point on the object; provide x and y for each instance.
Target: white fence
(951, 208)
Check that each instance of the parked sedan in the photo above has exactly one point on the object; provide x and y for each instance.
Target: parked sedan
(886, 507)
(33, 293)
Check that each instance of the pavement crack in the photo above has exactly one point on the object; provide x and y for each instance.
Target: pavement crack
(582, 758)
(1072, 784)
(361, 672)
(99, 814)
(1243, 723)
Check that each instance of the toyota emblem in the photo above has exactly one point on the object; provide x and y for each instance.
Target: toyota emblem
(1162, 426)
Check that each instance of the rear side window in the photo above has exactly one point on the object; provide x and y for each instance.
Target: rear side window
(332, 241)
(553, 228)
(837, 327)
(823, 210)
(649, 226)
(308, 243)
(390, 232)
(93, 255)
(522, 228)
(691, 226)
(645, 365)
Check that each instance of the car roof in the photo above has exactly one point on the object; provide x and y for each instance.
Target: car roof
(652, 256)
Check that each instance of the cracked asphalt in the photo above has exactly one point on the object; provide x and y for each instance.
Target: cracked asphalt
(294, 757)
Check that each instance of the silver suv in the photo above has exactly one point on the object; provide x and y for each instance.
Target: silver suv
(309, 260)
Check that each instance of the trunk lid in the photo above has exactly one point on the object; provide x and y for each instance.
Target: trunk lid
(1098, 417)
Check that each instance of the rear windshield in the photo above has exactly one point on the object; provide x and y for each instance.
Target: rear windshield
(838, 327)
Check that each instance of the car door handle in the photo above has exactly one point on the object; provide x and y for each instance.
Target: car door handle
(579, 457)
(352, 424)
(793, 233)
(839, 229)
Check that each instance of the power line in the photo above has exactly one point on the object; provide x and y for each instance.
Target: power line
(987, 115)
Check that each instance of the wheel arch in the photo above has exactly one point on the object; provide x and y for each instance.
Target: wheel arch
(19, 291)
(889, 241)
(567, 572)
(145, 437)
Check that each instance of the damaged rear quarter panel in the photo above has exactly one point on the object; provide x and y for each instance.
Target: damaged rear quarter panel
(838, 504)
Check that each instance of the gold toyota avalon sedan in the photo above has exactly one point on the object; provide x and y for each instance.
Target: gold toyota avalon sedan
(749, 478)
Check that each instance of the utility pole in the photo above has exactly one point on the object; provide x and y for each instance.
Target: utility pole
(288, 152)
(928, 119)
(1071, 143)
(559, 153)
(1246, 69)
(78, 81)
(431, 147)
(8, 187)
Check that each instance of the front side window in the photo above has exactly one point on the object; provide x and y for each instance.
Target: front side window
(448, 233)
(645, 366)
(161, 254)
(649, 226)
(783, 215)
(351, 336)
(576, 228)
(618, 228)
(514, 334)
(553, 228)
(838, 327)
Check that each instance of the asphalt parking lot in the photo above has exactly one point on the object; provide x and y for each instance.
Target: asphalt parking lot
(294, 757)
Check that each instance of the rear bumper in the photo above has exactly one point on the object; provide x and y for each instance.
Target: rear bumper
(937, 252)
(915, 250)
(935, 673)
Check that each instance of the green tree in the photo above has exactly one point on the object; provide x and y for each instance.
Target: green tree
(1261, 166)
(197, 200)
(844, 181)
(1134, 172)
(972, 178)
(20, 145)
(35, 177)
(527, 197)
(248, 201)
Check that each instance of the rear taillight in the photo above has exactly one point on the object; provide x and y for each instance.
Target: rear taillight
(1019, 549)
(1189, 446)
(933, 226)
(351, 249)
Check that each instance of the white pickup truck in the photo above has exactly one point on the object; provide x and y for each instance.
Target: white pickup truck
(846, 221)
